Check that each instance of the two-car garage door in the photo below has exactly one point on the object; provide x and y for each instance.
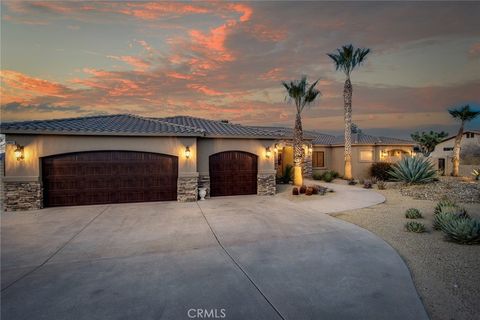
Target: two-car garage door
(101, 177)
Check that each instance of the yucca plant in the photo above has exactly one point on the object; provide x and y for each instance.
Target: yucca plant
(463, 230)
(413, 170)
(414, 226)
(413, 213)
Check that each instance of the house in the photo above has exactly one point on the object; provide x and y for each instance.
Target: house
(442, 155)
(128, 158)
(325, 152)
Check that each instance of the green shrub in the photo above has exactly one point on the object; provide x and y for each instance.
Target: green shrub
(463, 230)
(287, 175)
(448, 214)
(335, 174)
(328, 176)
(317, 176)
(380, 170)
(413, 213)
(444, 203)
(414, 226)
(413, 170)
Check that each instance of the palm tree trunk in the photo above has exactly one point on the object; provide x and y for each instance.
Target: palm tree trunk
(347, 100)
(456, 151)
(297, 151)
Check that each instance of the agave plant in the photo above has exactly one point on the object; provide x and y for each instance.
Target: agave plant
(413, 213)
(444, 203)
(463, 230)
(447, 215)
(414, 226)
(413, 170)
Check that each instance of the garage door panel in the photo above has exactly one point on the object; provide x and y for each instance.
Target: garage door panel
(109, 177)
(233, 173)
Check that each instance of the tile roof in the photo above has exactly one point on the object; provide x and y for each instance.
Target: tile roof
(120, 124)
(215, 128)
(362, 138)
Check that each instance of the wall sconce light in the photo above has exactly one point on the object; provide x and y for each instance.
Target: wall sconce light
(187, 152)
(310, 149)
(268, 152)
(276, 147)
(19, 154)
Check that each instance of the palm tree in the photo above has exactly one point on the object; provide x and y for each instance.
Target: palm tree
(347, 59)
(464, 114)
(303, 94)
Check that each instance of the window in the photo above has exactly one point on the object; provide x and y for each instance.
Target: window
(447, 149)
(366, 155)
(318, 159)
(470, 135)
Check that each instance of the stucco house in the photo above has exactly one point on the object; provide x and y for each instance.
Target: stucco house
(326, 152)
(442, 155)
(128, 158)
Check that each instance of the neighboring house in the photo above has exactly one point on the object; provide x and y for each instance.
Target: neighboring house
(442, 156)
(127, 158)
(326, 152)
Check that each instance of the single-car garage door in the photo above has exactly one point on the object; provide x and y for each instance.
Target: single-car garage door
(233, 173)
(101, 177)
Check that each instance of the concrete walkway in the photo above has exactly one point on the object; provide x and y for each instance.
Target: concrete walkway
(246, 257)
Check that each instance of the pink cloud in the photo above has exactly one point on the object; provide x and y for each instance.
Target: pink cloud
(204, 89)
(474, 51)
(138, 63)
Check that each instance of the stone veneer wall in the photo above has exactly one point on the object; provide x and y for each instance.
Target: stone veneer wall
(266, 185)
(19, 196)
(187, 189)
(307, 166)
(204, 182)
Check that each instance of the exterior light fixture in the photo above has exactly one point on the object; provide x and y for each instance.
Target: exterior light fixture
(187, 152)
(268, 152)
(310, 149)
(276, 147)
(19, 154)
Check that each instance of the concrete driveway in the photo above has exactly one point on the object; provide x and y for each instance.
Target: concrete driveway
(243, 257)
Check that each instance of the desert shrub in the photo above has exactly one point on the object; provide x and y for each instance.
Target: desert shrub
(309, 191)
(413, 213)
(287, 175)
(367, 184)
(334, 174)
(414, 226)
(352, 182)
(303, 189)
(381, 185)
(444, 203)
(361, 181)
(328, 176)
(295, 191)
(380, 170)
(373, 180)
(317, 176)
(448, 214)
(413, 170)
(462, 230)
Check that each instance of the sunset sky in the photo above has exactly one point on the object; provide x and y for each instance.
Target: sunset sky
(226, 60)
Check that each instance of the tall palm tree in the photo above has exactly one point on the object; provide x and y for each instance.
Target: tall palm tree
(347, 59)
(303, 94)
(464, 114)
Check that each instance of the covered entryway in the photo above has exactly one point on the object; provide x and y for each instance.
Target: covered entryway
(233, 173)
(101, 177)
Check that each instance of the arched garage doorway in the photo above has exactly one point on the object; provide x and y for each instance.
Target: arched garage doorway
(233, 173)
(101, 177)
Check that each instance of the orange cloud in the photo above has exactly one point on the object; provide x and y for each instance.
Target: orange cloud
(177, 75)
(19, 81)
(274, 74)
(204, 89)
(474, 51)
(245, 10)
(138, 63)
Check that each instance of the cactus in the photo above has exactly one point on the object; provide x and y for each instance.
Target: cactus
(414, 226)
(413, 213)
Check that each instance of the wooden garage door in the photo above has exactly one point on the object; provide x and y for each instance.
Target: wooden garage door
(233, 173)
(108, 177)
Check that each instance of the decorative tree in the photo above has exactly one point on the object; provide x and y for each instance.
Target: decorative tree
(303, 94)
(428, 140)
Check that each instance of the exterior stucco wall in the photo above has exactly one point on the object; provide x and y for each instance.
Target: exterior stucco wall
(439, 151)
(334, 158)
(36, 146)
(207, 147)
(327, 160)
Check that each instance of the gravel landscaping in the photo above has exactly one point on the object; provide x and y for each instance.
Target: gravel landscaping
(446, 274)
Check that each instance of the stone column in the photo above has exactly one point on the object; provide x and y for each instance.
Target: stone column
(204, 182)
(187, 187)
(22, 195)
(307, 165)
(266, 185)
